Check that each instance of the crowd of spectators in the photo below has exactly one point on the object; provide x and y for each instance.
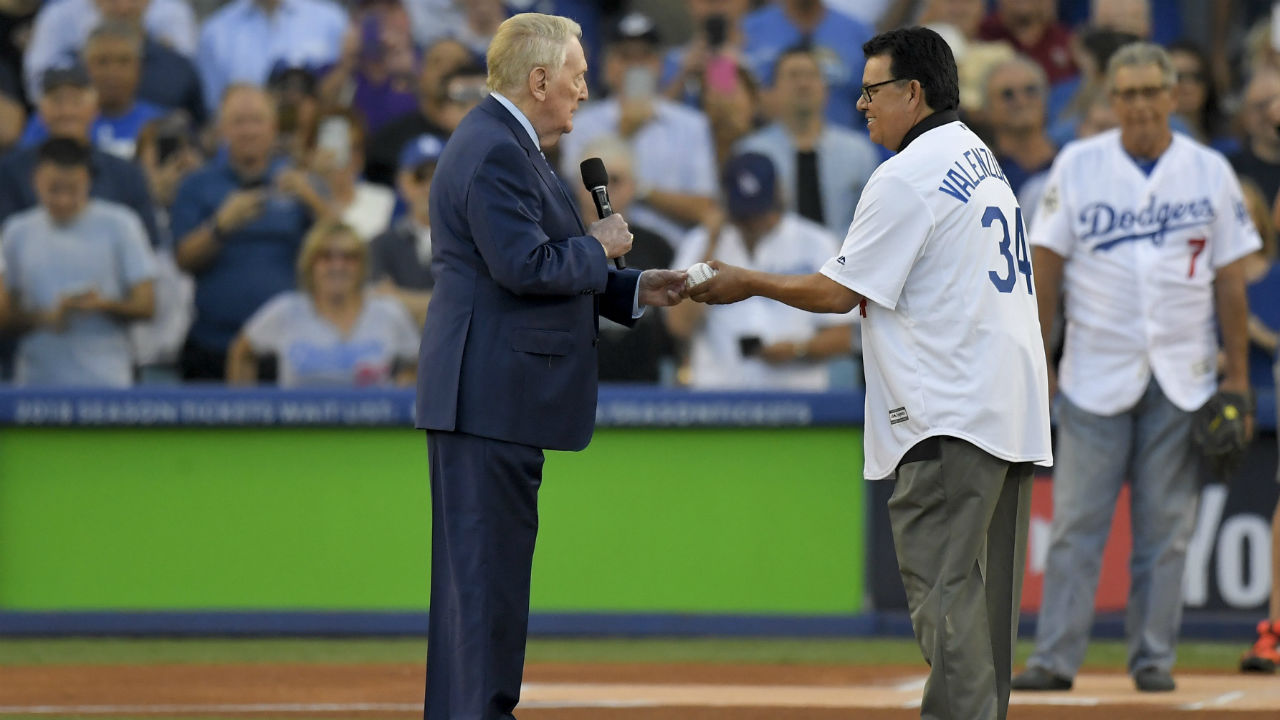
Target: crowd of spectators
(267, 152)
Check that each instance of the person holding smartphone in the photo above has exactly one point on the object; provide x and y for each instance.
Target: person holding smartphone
(239, 222)
(675, 159)
(758, 344)
(709, 60)
(78, 270)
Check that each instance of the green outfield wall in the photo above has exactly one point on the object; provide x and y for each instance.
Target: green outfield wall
(662, 520)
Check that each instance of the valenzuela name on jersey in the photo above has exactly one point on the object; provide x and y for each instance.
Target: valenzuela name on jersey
(960, 183)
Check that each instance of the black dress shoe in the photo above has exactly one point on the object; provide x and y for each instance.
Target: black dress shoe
(1153, 680)
(1037, 678)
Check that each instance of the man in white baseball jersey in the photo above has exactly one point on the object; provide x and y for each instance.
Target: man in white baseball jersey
(957, 392)
(758, 344)
(1144, 230)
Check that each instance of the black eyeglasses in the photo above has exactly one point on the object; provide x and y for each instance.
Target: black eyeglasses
(866, 89)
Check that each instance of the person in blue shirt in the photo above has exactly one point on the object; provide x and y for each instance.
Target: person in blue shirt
(169, 78)
(79, 271)
(244, 39)
(835, 38)
(113, 61)
(239, 222)
(67, 108)
(61, 28)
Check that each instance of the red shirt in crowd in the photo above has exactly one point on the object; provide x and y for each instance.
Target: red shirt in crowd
(1052, 51)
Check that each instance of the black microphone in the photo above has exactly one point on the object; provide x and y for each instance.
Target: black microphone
(596, 179)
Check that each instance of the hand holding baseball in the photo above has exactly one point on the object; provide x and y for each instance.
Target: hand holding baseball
(727, 284)
(699, 273)
(661, 288)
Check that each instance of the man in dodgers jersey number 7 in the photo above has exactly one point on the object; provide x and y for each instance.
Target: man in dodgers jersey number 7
(1144, 229)
(957, 390)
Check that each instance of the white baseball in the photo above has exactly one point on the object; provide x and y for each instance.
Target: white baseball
(698, 273)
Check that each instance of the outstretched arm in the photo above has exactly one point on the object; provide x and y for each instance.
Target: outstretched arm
(814, 293)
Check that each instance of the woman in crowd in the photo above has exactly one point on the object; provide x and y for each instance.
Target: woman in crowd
(332, 332)
(1198, 99)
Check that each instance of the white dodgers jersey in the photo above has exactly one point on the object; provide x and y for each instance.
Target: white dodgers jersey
(951, 339)
(1142, 250)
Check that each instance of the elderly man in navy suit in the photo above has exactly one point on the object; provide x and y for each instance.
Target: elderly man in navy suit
(508, 359)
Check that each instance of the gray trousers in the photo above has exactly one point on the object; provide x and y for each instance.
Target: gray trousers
(960, 518)
(1150, 444)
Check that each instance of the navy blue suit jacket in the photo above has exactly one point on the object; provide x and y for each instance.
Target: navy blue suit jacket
(509, 347)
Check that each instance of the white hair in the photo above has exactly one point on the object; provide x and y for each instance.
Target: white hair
(524, 42)
(1141, 54)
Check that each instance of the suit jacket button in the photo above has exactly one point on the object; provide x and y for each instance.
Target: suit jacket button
(595, 341)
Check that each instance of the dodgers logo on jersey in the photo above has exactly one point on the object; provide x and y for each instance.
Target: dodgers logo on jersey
(1242, 213)
(1105, 226)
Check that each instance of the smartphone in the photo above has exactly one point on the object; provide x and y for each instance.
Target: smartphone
(172, 134)
(334, 135)
(750, 346)
(717, 29)
(168, 145)
(722, 74)
(639, 83)
(287, 117)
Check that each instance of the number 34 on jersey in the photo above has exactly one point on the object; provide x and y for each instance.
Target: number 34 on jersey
(1013, 249)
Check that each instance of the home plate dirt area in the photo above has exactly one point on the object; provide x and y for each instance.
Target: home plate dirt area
(596, 691)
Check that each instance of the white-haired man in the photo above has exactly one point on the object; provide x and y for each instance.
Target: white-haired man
(1143, 230)
(508, 358)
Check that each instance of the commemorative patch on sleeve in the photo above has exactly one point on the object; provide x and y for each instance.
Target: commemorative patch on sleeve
(1050, 202)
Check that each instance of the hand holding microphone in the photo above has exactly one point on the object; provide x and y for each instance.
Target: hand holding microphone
(614, 237)
(611, 230)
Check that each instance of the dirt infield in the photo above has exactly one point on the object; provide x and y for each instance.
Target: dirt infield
(599, 692)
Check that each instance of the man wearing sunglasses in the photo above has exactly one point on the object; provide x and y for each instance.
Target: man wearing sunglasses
(957, 391)
(1143, 230)
(1015, 94)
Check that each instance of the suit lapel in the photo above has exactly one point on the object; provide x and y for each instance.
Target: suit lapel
(539, 161)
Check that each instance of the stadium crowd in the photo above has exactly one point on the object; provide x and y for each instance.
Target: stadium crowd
(238, 191)
(229, 130)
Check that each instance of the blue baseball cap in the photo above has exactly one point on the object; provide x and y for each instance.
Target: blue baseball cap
(422, 150)
(750, 185)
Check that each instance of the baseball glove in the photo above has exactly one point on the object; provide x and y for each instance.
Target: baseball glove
(1219, 430)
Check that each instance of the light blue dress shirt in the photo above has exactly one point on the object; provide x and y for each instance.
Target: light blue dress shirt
(519, 116)
(62, 26)
(241, 43)
(104, 249)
